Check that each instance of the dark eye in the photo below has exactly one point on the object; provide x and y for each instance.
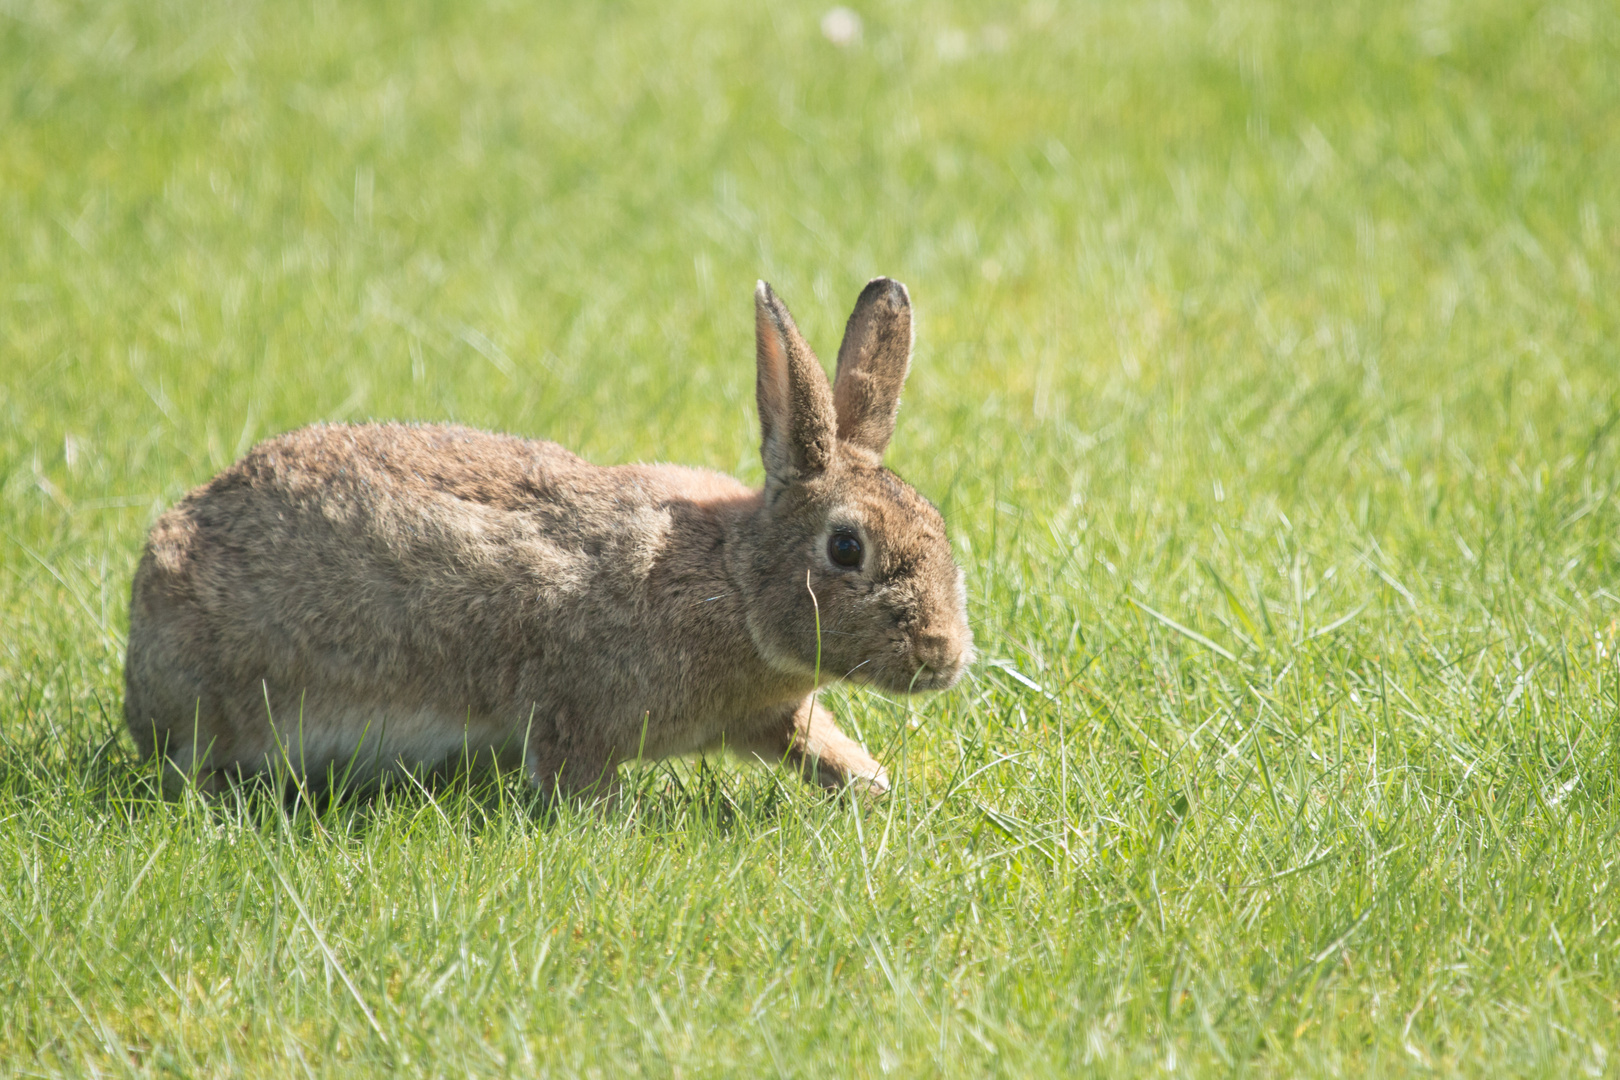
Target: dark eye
(844, 549)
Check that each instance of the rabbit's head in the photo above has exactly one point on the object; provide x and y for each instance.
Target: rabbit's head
(840, 539)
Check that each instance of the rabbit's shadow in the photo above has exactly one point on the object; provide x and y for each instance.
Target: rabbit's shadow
(105, 779)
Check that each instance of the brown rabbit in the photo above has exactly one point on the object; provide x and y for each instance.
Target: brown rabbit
(348, 601)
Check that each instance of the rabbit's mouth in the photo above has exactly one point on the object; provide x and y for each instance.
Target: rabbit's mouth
(929, 678)
(905, 678)
(917, 675)
(938, 658)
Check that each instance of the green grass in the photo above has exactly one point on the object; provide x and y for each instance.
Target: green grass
(1268, 376)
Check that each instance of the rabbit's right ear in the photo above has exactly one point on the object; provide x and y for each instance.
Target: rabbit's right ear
(796, 419)
(872, 365)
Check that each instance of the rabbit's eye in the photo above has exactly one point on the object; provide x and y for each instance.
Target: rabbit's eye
(844, 549)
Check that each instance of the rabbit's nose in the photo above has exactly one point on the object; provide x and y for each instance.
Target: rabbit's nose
(943, 652)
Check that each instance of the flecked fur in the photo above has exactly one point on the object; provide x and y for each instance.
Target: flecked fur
(349, 600)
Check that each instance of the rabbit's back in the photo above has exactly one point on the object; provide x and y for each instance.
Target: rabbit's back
(418, 579)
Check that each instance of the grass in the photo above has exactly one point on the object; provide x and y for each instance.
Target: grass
(1267, 377)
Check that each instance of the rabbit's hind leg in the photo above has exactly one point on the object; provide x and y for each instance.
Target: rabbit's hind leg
(584, 776)
(185, 741)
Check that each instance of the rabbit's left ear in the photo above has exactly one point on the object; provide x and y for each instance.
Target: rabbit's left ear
(872, 365)
(798, 436)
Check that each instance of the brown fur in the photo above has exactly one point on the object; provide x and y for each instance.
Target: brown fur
(364, 598)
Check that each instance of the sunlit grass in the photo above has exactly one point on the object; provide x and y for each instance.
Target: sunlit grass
(1267, 377)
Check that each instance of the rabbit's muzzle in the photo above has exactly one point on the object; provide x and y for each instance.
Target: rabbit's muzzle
(941, 658)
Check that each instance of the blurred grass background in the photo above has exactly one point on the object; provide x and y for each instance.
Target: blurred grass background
(1267, 374)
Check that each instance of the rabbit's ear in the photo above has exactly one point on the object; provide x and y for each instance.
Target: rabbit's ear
(872, 364)
(796, 415)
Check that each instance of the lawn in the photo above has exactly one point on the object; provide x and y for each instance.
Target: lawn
(1268, 377)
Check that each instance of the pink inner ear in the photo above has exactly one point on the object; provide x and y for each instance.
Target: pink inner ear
(773, 375)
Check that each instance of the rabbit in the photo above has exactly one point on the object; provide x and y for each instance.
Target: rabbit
(353, 601)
